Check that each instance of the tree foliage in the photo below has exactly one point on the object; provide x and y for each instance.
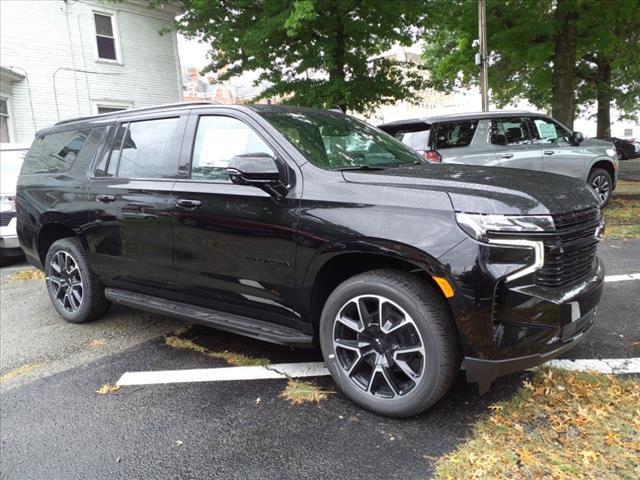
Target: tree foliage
(523, 37)
(310, 52)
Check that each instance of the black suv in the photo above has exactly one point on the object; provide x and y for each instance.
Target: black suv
(305, 227)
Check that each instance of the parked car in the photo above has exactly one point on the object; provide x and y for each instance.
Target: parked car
(625, 149)
(311, 228)
(514, 139)
(11, 156)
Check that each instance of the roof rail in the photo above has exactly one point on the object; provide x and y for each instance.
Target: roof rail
(136, 110)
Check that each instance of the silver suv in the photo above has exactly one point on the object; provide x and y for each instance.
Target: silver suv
(515, 139)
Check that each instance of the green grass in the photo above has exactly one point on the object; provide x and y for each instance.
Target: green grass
(622, 217)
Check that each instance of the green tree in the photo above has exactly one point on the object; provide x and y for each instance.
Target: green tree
(310, 52)
(608, 68)
(557, 54)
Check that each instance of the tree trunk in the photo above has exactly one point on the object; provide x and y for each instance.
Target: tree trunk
(603, 96)
(564, 63)
(337, 72)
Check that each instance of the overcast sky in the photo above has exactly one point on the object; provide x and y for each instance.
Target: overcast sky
(192, 53)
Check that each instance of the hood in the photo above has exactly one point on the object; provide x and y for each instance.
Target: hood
(488, 190)
(596, 142)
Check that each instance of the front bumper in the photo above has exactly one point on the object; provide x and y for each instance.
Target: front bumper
(505, 325)
(484, 372)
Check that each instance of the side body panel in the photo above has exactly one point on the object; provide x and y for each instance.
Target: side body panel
(338, 218)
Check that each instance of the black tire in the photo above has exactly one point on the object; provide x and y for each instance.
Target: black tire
(600, 180)
(432, 320)
(92, 303)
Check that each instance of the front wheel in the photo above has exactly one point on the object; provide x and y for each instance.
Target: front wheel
(73, 288)
(600, 181)
(389, 342)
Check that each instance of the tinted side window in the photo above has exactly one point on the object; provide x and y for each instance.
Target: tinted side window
(218, 139)
(143, 149)
(547, 131)
(55, 152)
(510, 131)
(454, 134)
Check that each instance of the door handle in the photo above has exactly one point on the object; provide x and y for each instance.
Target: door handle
(549, 152)
(507, 155)
(105, 198)
(188, 204)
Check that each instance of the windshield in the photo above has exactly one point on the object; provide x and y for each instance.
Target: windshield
(335, 141)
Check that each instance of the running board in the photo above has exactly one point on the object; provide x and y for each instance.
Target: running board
(249, 327)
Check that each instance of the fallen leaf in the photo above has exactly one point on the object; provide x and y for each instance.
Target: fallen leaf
(106, 389)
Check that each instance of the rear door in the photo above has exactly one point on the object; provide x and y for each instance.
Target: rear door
(557, 152)
(129, 234)
(235, 244)
(513, 144)
(463, 141)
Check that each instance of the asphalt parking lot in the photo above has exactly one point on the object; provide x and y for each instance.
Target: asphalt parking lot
(53, 424)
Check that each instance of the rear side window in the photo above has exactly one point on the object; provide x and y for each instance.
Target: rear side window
(510, 131)
(454, 134)
(144, 149)
(55, 152)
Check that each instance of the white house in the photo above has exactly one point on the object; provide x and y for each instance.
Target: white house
(71, 58)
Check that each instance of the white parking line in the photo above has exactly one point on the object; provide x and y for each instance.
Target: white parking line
(622, 278)
(280, 370)
(611, 365)
(318, 369)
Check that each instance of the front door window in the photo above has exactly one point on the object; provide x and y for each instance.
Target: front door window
(545, 131)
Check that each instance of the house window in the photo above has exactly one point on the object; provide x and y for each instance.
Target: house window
(105, 37)
(102, 110)
(4, 121)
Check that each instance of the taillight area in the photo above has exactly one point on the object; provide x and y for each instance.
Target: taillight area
(431, 155)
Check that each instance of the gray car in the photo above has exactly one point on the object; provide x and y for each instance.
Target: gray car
(515, 139)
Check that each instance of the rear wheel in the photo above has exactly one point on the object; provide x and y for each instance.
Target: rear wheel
(73, 288)
(600, 181)
(389, 342)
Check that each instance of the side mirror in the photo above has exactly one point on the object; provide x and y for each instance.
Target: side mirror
(257, 169)
(499, 139)
(577, 138)
(253, 168)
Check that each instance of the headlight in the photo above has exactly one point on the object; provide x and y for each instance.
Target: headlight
(478, 226)
(612, 152)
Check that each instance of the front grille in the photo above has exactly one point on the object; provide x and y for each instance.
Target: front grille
(570, 252)
(5, 218)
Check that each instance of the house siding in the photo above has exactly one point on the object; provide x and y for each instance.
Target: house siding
(54, 43)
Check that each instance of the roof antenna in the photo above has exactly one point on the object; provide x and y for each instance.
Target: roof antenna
(337, 108)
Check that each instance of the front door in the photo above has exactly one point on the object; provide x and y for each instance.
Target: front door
(558, 153)
(234, 244)
(129, 237)
(513, 144)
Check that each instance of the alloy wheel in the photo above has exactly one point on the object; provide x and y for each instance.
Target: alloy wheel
(378, 346)
(601, 185)
(65, 281)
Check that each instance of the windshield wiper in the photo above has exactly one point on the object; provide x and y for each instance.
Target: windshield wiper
(358, 167)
